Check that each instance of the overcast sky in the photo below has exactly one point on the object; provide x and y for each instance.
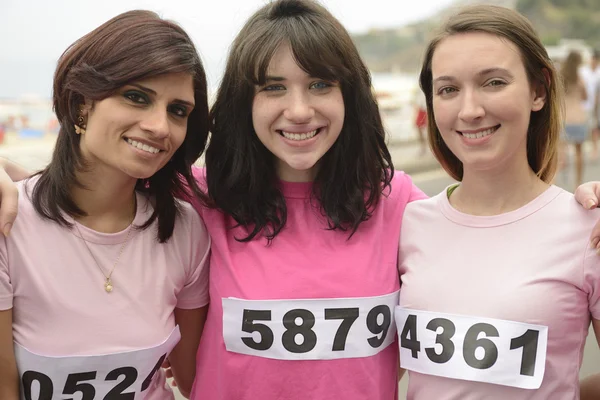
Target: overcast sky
(33, 33)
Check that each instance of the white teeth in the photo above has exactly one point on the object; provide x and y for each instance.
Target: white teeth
(143, 146)
(479, 134)
(299, 136)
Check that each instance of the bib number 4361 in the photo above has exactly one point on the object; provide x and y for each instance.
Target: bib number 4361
(503, 352)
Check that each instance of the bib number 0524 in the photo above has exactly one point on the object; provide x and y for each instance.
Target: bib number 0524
(82, 384)
(500, 351)
(309, 329)
(130, 375)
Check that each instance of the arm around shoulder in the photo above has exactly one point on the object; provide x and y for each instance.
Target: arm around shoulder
(13, 170)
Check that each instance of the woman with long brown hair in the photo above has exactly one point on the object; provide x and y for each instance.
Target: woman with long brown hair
(575, 113)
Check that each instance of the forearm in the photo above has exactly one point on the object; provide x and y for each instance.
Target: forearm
(9, 377)
(590, 388)
(183, 356)
(9, 380)
(14, 170)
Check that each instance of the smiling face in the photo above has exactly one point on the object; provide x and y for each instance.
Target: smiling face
(482, 101)
(297, 117)
(137, 130)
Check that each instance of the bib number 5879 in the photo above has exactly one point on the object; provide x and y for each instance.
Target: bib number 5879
(309, 329)
(300, 323)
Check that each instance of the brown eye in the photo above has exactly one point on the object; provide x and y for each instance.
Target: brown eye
(136, 97)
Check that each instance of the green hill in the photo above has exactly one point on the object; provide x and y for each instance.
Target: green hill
(400, 49)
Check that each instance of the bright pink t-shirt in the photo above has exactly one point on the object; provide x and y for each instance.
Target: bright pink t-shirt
(532, 265)
(305, 261)
(56, 292)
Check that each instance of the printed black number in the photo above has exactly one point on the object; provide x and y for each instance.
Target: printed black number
(376, 327)
(249, 326)
(443, 338)
(408, 337)
(74, 385)
(472, 343)
(305, 329)
(150, 376)
(348, 316)
(116, 393)
(529, 342)
(46, 386)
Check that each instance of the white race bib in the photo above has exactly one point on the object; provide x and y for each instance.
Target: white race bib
(122, 376)
(472, 348)
(309, 329)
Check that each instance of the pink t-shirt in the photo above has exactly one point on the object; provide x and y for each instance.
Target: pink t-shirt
(305, 261)
(56, 291)
(532, 265)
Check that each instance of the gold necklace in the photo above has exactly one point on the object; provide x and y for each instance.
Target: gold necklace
(108, 285)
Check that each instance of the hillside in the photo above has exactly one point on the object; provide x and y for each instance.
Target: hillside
(400, 49)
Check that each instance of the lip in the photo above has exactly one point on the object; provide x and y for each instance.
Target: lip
(146, 142)
(300, 143)
(477, 141)
(472, 131)
(300, 129)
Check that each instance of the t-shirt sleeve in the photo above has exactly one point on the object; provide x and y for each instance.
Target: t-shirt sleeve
(6, 289)
(415, 192)
(591, 281)
(195, 294)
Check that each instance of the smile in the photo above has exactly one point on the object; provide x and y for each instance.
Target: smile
(300, 136)
(478, 135)
(142, 146)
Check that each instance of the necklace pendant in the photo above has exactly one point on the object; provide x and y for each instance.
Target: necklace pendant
(108, 286)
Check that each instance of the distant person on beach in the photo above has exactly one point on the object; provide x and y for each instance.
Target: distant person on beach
(420, 121)
(576, 116)
(591, 78)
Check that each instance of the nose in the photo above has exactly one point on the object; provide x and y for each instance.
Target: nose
(156, 122)
(299, 108)
(471, 108)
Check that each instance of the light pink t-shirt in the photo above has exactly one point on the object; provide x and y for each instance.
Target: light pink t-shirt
(305, 261)
(56, 291)
(532, 265)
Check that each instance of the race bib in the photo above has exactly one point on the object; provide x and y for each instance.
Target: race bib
(103, 377)
(314, 329)
(472, 348)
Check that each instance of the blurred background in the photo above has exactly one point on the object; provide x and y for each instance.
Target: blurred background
(390, 34)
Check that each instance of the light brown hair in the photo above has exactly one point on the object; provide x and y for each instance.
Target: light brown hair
(545, 125)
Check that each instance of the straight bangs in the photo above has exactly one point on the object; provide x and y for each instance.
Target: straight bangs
(314, 49)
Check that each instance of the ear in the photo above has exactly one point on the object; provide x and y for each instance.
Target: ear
(540, 93)
(86, 107)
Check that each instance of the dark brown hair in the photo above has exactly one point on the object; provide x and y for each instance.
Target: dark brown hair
(241, 174)
(132, 46)
(544, 125)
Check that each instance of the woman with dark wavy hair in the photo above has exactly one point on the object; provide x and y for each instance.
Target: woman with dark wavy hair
(104, 270)
(306, 218)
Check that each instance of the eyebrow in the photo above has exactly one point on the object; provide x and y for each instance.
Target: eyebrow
(274, 78)
(152, 92)
(487, 71)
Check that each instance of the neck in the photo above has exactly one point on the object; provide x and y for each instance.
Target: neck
(109, 203)
(493, 192)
